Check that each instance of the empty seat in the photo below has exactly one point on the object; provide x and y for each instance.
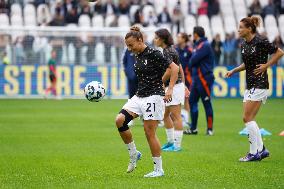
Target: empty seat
(281, 20)
(159, 5)
(249, 2)
(29, 10)
(98, 21)
(4, 20)
(123, 21)
(16, 20)
(240, 13)
(270, 21)
(203, 21)
(217, 26)
(230, 24)
(30, 21)
(16, 9)
(281, 26)
(273, 32)
(190, 23)
(239, 3)
(263, 3)
(84, 21)
(227, 10)
(271, 27)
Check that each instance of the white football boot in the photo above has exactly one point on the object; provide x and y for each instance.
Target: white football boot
(155, 173)
(133, 160)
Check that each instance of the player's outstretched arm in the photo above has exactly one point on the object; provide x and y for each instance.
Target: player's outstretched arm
(235, 70)
(261, 68)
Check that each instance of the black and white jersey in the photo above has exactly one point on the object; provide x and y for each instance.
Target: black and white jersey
(253, 53)
(150, 67)
(171, 54)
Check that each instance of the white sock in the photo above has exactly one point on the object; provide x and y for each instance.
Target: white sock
(170, 135)
(157, 163)
(252, 136)
(258, 138)
(131, 148)
(178, 138)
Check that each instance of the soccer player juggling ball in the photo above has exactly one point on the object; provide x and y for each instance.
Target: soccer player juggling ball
(255, 50)
(149, 100)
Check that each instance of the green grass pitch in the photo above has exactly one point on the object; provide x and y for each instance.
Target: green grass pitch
(75, 144)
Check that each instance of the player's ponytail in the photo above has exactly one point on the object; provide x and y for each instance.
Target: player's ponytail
(255, 20)
(165, 35)
(251, 22)
(135, 32)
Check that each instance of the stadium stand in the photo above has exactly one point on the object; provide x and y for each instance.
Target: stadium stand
(98, 21)
(4, 20)
(216, 16)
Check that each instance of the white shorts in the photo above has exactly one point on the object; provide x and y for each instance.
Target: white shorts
(151, 108)
(178, 95)
(256, 95)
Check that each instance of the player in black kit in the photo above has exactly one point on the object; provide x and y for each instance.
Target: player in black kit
(149, 100)
(172, 117)
(255, 50)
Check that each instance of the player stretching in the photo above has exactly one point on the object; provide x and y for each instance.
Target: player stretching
(255, 50)
(148, 102)
(172, 117)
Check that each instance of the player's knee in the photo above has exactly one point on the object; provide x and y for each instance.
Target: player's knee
(119, 120)
(122, 120)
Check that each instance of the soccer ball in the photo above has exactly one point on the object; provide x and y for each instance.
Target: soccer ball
(94, 91)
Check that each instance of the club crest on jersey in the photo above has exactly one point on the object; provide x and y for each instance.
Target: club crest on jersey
(253, 50)
(145, 62)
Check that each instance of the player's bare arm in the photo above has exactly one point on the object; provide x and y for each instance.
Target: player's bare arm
(174, 69)
(236, 70)
(261, 68)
